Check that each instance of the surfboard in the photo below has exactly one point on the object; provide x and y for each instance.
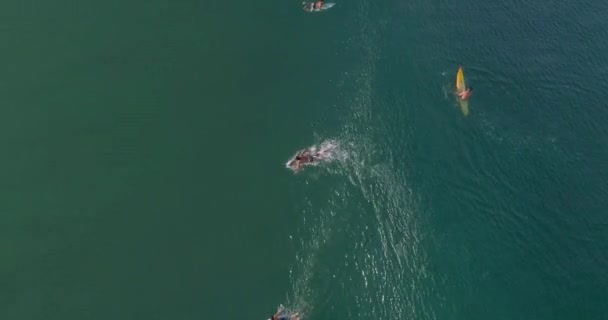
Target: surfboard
(460, 87)
(464, 107)
(309, 6)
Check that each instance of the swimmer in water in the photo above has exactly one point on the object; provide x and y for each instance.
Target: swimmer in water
(312, 156)
(282, 314)
(307, 157)
(302, 158)
(313, 6)
(466, 94)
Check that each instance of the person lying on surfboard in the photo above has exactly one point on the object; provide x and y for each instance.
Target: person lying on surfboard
(313, 6)
(466, 94)
(283, 314)
(314, 155)
(305, 157)
(302, 158)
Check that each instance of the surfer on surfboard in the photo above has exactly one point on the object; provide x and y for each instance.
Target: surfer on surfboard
(466, 94)
(463, 92)
(313, 156)
(313, 6)
(283, 314)
(302, 158)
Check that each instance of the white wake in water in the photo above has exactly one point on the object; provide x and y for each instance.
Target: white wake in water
(360, 245)
(326, 152)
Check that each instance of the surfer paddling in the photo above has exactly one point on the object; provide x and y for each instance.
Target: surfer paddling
(302, 158)
(313, 6)
(283, 314)
(312, 156)
(463, 92)
(466, 94)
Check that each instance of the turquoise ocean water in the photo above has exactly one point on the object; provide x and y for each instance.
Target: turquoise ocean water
(144, 147)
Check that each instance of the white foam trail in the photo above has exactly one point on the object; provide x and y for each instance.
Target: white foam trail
(324, 153)
(389, 256)
(384, 269)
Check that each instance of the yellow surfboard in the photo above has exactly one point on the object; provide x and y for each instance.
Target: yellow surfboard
(460, 87)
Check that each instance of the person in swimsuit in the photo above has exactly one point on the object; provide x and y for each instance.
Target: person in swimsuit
(313, 6)
(282, 314)
(466, 94)
(318, 5)
(305, 157)
(302, 158)
(295, 163)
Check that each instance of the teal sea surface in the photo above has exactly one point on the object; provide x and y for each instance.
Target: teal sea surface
(144, 148)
